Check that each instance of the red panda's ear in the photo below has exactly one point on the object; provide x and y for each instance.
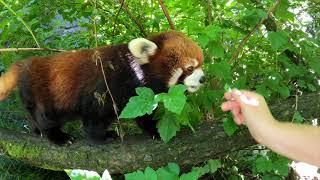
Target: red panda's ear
(142, 48)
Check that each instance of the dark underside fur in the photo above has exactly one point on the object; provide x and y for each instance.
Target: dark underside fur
(51, 103)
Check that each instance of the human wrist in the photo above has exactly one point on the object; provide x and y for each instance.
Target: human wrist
(262, 130)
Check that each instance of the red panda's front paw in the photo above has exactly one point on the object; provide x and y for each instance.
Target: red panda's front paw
(58, 137)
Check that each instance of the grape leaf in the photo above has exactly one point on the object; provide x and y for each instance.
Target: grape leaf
(297, 118)
(164, 174)
(189, 176)
(140, 105)
(214, 165)
(263, 165)
(168, 126)
(281, 166)
(174, 100)
(221, 70)
(284, 91)
(174, 168)
(150, 174)
(137, 175)
(278, 39)
(216, 49)
(229, 126)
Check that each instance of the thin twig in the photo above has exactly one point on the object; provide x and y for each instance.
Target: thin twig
(135, 20)
(296, 105)
(116, 18)
(30, 49)
(246, 38)
(22, 21)
(98, 57)
(209, 13)
(166, 13)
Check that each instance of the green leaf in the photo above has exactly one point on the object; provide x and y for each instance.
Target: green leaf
(213, 32)
(150, 174)
(271, 177)
(281, 166)
(315, 65)
(311, 87)
(229, 126)
(278, 39)
(221, 70)
(140, 105)
(283, 13)
(297, 117)
(254, 16)
(164, 174)
(168, 126)
(284, 91)
(137, 175)
(203, 40)
(174, 100)
(263, 90)
(190, 176)
(78, 174)
(216, 49)
(174, 168)
(214, 165)
(262, 164)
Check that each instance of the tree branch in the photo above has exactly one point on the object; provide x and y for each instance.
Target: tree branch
(246, 38)
(30, 49)
(166, 13)
(116, 18)
(134, 19)
(138, 152)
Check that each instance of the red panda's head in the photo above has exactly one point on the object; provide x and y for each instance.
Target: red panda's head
(173, 57)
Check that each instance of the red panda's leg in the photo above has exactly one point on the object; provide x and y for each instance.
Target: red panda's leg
(149, 125)
(96, 129)
(50, 127)
(57, 136)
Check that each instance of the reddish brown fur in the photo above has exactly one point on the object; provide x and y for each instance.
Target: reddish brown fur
(63, 83)
(8, 81)
(61, 77)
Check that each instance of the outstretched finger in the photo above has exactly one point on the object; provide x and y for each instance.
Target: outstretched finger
(230, 105)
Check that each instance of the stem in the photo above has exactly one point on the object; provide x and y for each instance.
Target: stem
(98, 57)
(246, 38)
(21, 20)
(30, 49)
(166, 13)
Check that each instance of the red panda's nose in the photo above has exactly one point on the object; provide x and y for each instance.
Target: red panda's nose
(202, 79)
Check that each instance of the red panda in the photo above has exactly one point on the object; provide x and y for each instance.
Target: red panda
(55, 88)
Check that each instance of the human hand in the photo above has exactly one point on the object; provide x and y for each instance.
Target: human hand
(247, 107)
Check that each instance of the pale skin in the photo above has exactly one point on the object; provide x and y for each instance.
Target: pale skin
(295, 141)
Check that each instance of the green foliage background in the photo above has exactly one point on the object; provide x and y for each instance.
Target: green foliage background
(280, 59)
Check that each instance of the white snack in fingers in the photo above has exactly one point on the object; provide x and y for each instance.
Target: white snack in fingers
(251, 101)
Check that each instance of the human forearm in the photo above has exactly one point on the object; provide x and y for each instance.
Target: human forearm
(296, 141)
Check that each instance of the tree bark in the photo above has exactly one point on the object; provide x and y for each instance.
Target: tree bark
(138, 152)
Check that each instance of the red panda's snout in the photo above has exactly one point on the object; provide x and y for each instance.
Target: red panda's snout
(193, 79)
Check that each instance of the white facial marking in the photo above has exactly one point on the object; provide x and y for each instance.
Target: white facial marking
(142, 48)
(193, 80)
(196, 63)
(175, 77)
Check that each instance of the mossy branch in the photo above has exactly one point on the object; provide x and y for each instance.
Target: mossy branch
(138, 152)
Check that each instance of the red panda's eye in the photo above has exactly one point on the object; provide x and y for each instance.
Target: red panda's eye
(190, 68)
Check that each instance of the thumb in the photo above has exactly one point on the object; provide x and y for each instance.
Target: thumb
(245, 97)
